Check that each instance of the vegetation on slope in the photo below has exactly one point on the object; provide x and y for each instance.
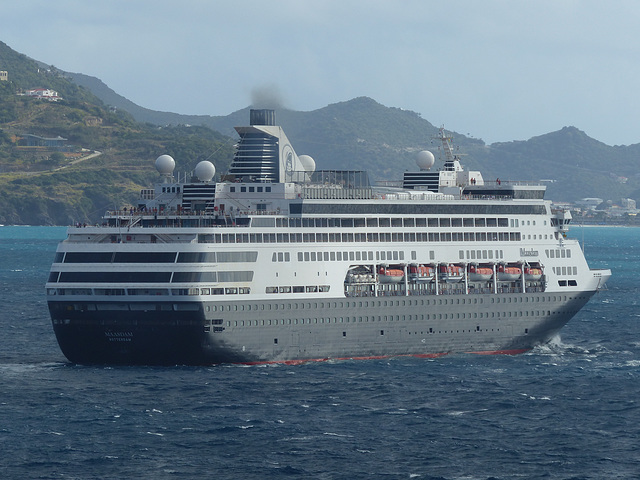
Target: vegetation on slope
(107, 155)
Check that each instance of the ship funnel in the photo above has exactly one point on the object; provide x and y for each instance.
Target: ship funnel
(262, 117)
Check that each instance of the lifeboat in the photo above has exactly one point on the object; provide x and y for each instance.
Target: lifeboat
(420, 273)
(479, 274)
(509, 273)
(532, 273)
(390, 275)
(450, 273)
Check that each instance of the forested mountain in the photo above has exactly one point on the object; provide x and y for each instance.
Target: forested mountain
(362, 134)
(112, 144)
(100, 157)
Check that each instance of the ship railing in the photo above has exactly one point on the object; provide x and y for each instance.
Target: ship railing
(389, 183)
(338, 178)
(496, 182)
(526, 183)
(437, 197)
(500, 198)
(126, 214)
(314, 192)
(414, 196)
(183, 219)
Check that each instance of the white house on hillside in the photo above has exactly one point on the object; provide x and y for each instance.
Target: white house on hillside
(43, 93)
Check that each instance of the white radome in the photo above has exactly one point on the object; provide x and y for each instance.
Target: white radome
(165, 164)
(425, 160)
(308, 163)
(205, 171)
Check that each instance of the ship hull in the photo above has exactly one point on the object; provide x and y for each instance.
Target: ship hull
(288, 331)
(280, 262)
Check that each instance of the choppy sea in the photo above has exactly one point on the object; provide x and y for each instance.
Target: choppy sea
(569, 410)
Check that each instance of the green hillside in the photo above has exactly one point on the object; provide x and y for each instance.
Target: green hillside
(102, 160)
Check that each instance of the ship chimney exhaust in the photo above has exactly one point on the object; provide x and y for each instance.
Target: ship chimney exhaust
(263, 116)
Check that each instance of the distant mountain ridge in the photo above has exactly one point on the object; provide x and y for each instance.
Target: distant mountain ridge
(357, 134)
(363, 134)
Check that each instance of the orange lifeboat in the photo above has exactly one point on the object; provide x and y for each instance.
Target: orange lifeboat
(450, 273)
(509, 273)
(390, 275)
(479, 274)
(532, 273)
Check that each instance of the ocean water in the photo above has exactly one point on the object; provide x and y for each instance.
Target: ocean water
(569, 410)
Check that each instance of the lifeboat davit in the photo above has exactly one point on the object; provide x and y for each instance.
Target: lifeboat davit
(509, 273)
(532, 273)
(390, 275)
(480, 274)
(359, 275)
(450, 273)
(420, 273)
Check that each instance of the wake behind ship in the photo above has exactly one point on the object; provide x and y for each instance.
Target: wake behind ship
(280, 262)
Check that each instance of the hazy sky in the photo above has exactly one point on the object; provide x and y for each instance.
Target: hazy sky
(497, 70)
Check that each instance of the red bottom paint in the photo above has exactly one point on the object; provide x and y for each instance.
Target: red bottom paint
(381, 357)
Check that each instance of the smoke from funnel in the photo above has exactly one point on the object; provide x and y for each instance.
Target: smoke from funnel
(267, 96)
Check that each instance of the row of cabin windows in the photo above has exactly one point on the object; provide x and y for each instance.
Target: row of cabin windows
(151, 277)
(155, 257)
(380, 255)
(462, 300)
(303, 305)
(386, 255)
(480, 254)
(558, 253)
(392, 222)
(298, 289)
(360, 237)
(150, 291)
(281, 257)
(516, 223)
(565, 270)
(251, 189)
(349, 256)
(340, 256)
(395, 318)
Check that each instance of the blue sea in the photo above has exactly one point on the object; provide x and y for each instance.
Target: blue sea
(569, 410)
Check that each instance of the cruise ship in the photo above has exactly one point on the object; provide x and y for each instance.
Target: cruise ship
(276, 261)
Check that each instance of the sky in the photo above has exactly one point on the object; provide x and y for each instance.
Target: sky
(498, 70)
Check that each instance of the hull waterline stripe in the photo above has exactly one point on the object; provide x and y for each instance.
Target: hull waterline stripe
(381, 357)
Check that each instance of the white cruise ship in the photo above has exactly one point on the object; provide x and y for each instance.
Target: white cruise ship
(278, 262)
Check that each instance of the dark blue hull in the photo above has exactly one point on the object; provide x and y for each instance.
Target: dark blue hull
(137, 337)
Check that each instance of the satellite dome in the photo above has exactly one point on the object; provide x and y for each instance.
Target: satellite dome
(425, 160)
(165, 164)
(308, 163)
(205, 171)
